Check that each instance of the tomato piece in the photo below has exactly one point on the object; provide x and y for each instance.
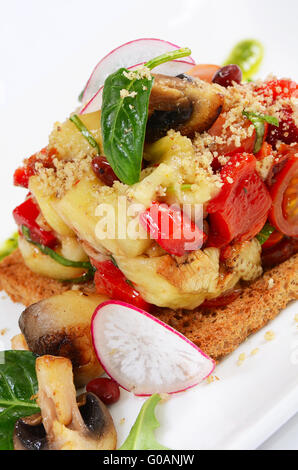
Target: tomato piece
(280, 252)
(240, 209)
(204, 72)
(274, 238)
(22, 174)
(173, 230)
(107, 390)
(265, 151)
(222, 300)
(281, 88)
(26, 214)
(110, 281)
(247, 144)
(284, 192)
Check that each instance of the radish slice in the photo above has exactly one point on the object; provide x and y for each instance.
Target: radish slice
(173, 68)
(94, 104)
(144, 355)
(133, 52)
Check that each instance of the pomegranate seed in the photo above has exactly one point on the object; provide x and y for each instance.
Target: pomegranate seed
(103, 170)
(287, 132)
(105, 389)
(227, 75)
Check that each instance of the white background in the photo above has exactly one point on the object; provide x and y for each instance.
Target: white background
(48, 49)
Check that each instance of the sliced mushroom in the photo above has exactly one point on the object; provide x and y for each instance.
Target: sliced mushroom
(181, 104)
(62, 425)
(60, 326)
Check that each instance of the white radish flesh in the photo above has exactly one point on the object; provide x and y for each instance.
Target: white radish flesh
(143, 354)
(133, 52)
(173, 68)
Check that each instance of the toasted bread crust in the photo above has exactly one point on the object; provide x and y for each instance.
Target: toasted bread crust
(219, 331)
(216, 331)
(24, 286)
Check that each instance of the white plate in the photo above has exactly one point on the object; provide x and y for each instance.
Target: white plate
(47, 53)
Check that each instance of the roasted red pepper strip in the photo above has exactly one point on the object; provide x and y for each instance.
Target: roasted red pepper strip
(110, 281)
(26, 214)
(240, 210)
(222, 300)
(173, 230)
(280, 252)
(22, 174)
(274, 238)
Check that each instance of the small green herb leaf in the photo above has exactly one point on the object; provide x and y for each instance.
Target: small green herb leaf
(9, 246)
(80, 97)
(186, 187)
(18, 384)
(258, 121)
(265, 233)
(124, 117)
(84, 131)
(167, 57)
(141, 436)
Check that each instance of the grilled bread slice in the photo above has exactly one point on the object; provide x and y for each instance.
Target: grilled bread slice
(217, 331)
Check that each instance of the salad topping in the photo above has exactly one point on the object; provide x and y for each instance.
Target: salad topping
(202, 136)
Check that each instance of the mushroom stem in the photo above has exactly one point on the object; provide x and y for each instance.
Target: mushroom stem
(62, 425)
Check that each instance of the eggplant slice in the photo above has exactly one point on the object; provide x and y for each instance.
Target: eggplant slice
(188, 106)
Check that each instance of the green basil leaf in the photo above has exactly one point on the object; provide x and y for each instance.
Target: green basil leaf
(258, 121)
(9, 246)
(124, 117)
(123, 123)
(265, 233)
(141, 436)
(248, 55)
(18, 384)
(84, 131)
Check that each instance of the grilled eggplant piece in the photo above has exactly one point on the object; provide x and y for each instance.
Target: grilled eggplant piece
(183, 105)
(62, 425)
(60, 326)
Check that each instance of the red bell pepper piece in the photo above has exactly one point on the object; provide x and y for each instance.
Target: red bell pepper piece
(22, 174)
(26, 214)
(173, 230)
(241, 208)
(223, 300)
(110, 281)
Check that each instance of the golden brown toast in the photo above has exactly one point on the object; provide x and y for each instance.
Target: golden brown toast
(217, 331)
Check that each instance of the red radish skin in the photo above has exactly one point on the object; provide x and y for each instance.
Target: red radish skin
(157, 321)
(95, 82)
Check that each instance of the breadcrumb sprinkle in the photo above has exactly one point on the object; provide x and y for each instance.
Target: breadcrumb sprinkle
(254, 351)
(139, 73)
(241, 359)
(126, 94)
(269, 335)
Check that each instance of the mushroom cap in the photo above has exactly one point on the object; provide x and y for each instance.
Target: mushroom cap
(182, 104)
(30, 434)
